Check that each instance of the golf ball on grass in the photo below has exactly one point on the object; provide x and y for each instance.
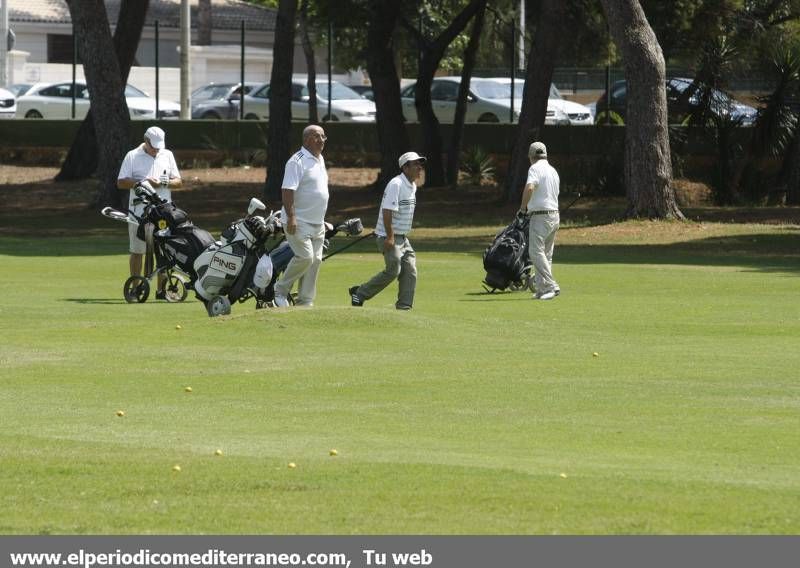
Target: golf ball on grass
(188, 389)
(292, 465)
(176, 468)
(218, 452)
(120, 413)
(333, 452)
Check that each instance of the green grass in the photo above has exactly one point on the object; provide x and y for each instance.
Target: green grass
(473, 413)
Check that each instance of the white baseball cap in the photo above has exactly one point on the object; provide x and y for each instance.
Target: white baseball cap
(410, 157)
(155, 136)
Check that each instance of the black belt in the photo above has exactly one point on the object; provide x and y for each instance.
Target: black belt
(545, 212)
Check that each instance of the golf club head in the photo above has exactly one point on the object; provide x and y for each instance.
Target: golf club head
(115, 214)
(352, 227)
(255, 204)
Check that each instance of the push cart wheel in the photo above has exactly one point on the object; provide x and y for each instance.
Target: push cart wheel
(136, 289)
(218, 306)
(174, 289)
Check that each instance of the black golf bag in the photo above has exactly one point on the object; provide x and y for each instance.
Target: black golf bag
(176, 241)
(507, 260)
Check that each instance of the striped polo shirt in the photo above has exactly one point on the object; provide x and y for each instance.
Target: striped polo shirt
(400, 196)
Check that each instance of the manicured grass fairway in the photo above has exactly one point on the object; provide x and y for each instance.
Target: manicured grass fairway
(473, 413)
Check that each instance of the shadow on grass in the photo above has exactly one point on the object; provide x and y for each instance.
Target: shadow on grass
(757, 251)
(763, 252)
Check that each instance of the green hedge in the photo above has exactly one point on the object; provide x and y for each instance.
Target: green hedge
(577, 150)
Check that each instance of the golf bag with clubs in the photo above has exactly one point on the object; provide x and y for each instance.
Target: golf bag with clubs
(282, 254)
(507, 260)
(171, 237)
(238, 266)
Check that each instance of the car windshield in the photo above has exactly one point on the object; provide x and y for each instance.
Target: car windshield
(490, 89)
(519, 86)
(131, 91)
(680, 85)
(340, 92)
(20, 88)
(212, 92)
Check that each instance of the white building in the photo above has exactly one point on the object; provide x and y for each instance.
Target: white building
(44, 44)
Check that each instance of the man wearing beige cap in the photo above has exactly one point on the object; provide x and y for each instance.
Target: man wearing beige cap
(153, 163)
(540, 203)
(394, 224)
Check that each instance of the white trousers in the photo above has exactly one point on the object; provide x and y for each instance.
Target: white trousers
(541, 241)
(306, 244)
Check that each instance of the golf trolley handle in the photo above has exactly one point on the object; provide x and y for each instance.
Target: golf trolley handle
(355, 242)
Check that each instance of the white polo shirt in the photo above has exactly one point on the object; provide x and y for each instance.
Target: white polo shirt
(544, 178)
(400, 196)
(305, 174)
(139, 165)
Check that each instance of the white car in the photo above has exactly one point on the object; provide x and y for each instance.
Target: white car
(8, 105)
(55, 101)
(489, 100)
(346, 104)
(558, 108)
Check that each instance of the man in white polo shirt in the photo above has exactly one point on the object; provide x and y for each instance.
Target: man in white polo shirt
(305, 200)
(540, 203)
(394, 224)
(153, 163)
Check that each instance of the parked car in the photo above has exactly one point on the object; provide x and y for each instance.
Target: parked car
(55, 101)
(20, 89)
(364, 90)
(489, 100)
(346, 104)
(679, 106)
(219, 100)
(558, 108)
(8, 105)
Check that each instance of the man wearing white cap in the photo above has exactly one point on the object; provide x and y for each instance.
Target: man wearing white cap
(394, 224)
(153, 163)
(540, 203)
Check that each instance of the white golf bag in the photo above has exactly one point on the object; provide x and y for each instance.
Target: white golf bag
(237, 266)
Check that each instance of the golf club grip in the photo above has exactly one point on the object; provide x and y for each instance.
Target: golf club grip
(355, 242)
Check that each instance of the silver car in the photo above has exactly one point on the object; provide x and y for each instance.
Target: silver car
(346, 105)
(218, 100)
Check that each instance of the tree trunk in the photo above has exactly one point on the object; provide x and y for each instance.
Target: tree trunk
(204, 24)
(431, 55)
(106, 89)
(81, 160)
(648, 169)
(538, 76)
(392, 135)
(280, 99)
(792, 170)
(470, 55)
(311, 64)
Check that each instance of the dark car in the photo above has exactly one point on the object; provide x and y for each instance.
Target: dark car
(218, 100)
(683, 98)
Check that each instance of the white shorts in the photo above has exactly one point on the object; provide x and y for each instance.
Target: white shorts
(137, 245)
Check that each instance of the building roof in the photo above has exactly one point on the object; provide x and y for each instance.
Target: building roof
(225, 14)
